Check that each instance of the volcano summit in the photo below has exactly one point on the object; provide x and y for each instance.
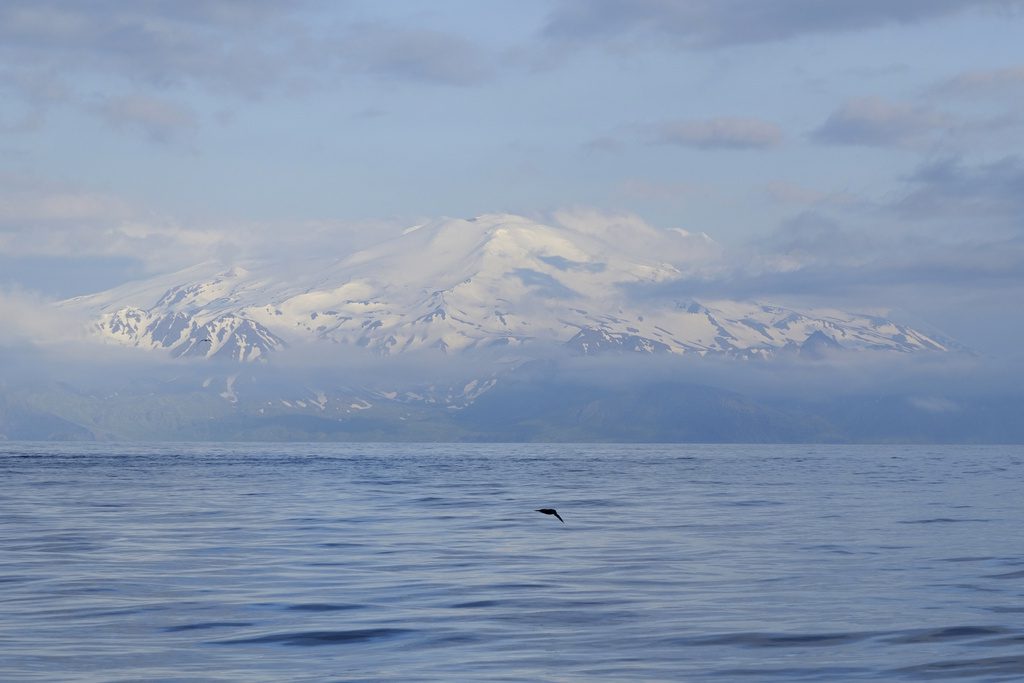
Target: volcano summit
(492, 282)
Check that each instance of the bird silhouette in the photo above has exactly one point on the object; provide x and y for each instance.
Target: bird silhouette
(551, 511)
(205, 340)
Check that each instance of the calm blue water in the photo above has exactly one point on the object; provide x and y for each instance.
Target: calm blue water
(428, 563)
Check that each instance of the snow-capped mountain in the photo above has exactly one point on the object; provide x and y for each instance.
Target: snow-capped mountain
(492, 282)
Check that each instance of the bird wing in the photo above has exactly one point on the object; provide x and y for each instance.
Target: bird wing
(559, 516)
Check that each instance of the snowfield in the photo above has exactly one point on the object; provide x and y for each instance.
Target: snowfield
(491, 282)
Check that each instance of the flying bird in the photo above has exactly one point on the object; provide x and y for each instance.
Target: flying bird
(551, 511)
(206, 340)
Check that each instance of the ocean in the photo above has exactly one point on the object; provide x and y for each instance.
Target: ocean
(428, 562)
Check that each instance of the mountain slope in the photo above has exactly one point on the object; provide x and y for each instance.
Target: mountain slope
(493, 282)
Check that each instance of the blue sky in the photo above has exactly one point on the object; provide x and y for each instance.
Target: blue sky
(861, 154)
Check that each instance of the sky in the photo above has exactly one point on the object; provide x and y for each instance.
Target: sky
(866, 155)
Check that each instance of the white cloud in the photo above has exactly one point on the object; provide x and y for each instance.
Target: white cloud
(71, 206)
(44, 219)
(629, 233)
(57, 223)
(29, 318)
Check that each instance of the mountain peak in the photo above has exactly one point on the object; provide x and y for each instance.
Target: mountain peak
(460, 284)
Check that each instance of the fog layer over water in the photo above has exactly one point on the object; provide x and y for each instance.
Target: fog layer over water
(413, 562)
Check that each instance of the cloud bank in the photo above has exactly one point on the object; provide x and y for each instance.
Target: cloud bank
(718, 23)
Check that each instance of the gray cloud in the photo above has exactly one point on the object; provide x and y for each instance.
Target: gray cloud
(132, 63)
(124, 62)
(785, 192)
(968, 232)
(988, 196)
(160, 119)
(949, 247)
(966, 290)
(711, 23)
(226, 43)
(875, 122)
(993, 82)
(37, 90)
(245, 48)
(899, 263)
(419, 55)
(717, 133)
(812, 237)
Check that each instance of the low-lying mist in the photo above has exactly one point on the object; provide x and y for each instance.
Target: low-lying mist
(334, 392)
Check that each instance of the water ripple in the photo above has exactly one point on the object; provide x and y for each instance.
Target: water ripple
(966, 669)
(207, 625)
(314, 638)
(429, 563)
